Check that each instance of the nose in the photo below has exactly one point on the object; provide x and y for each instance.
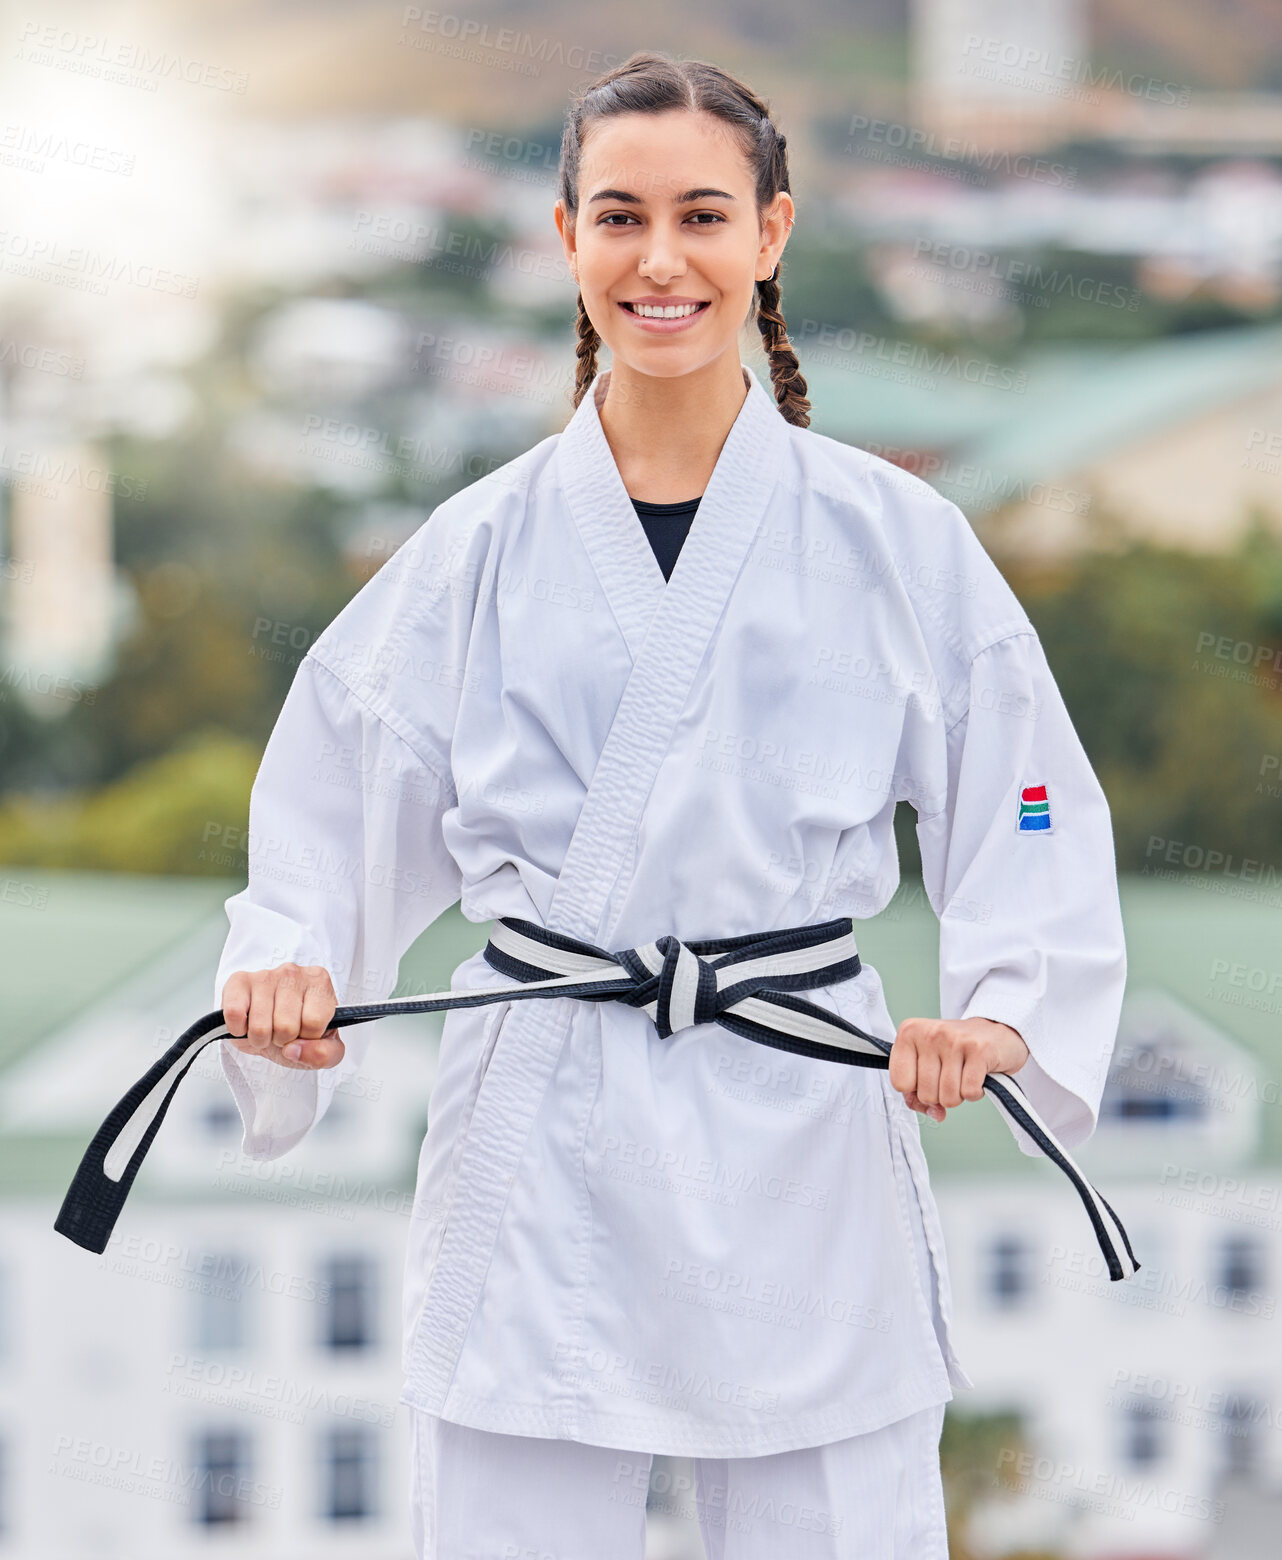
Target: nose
(662, 258)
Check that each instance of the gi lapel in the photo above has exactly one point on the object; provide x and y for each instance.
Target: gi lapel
(667, 628)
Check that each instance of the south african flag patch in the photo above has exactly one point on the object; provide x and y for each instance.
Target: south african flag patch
(1034, 810)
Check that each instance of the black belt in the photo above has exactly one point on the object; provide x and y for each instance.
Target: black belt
(745, 984)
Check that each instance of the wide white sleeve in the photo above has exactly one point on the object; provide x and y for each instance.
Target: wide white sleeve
(1024, 882)
(347, 866)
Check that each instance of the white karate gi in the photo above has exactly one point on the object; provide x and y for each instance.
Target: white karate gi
(700, 1246)
(475, 1495)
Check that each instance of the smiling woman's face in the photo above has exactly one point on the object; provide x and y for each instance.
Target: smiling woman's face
(672, 190)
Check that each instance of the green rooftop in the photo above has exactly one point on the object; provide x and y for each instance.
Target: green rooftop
(1078, 402)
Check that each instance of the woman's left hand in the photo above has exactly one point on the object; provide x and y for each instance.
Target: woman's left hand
(936, 1063)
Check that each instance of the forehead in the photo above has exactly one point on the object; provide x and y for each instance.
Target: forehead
(656, 155)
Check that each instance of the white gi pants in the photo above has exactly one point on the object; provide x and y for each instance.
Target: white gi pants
(480, 1495)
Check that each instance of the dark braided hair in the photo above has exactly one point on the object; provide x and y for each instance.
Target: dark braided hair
(651, 83)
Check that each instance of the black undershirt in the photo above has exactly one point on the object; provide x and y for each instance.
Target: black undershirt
(666, 526)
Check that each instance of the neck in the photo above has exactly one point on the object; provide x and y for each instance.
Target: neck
(666, 433)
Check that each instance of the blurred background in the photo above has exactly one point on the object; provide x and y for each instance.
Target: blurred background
(275, 279)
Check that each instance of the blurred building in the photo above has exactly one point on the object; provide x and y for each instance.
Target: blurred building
(62, 601)
(1001, 70)
(228, 1371)
(1177, 441)
(1001, 74)
(1151, 1406)
(225, 1375)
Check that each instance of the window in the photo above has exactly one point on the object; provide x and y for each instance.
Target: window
(220, 1117)
(1143, 1434)
(1151, 1085)
(1239, 1432)
(222, 1477)
(1241, 1264)
(1008, 1278)
(221, 1320)
(349, 1314)
(349, 1458)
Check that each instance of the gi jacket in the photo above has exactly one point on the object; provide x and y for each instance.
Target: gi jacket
(696, 1245)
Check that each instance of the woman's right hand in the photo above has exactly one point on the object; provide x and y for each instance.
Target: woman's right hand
(284, 1014)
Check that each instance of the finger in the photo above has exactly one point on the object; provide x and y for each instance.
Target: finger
(286, 1012)
(262, 1005)
(973, 1075)
(950, 1078)
(903, 1063)
(928, 1076)
(236, 994)
(318, 1005)
(325, 1051)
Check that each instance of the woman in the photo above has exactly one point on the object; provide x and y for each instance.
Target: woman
(624, 1243)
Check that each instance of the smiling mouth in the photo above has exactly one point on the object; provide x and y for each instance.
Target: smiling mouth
(656, 312)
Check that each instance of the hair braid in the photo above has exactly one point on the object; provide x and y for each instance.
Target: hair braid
(585, 353)
(785, 370)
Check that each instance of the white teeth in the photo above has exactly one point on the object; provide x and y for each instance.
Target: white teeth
(651, 311)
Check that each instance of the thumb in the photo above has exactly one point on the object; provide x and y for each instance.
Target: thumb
(327, 1051)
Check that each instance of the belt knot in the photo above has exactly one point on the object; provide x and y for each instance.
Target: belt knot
(685, 990)
(679, 984)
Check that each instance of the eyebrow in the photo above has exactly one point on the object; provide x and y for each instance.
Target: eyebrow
(677, 200)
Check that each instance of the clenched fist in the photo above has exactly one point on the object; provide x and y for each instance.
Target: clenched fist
(284, 1014)
(936, 1063)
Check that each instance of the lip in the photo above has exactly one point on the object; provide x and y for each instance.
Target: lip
(664, 327)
